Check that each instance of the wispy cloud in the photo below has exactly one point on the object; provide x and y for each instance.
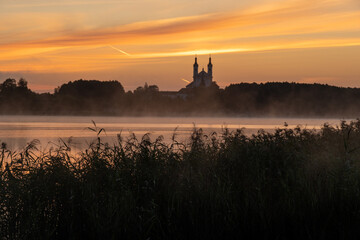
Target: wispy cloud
(287, 17)
(57, 3)
(285, 25)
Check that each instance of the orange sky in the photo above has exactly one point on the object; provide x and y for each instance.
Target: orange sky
(154, 41)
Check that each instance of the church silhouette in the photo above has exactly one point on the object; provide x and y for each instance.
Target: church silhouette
(201, 79)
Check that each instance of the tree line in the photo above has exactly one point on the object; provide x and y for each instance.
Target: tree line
(92, 97)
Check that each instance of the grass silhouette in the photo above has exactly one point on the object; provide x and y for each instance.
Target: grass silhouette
(290, 184)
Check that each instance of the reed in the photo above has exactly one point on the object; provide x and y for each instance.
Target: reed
(289, 184)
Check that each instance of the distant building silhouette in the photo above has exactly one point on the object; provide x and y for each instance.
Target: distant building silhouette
(201, 79)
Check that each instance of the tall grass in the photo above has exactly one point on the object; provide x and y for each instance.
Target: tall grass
(290, 184)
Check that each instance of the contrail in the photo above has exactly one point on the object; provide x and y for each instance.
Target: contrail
(119, 50)
(185, 80)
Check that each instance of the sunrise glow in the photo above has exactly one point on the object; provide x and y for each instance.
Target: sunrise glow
(61, 41)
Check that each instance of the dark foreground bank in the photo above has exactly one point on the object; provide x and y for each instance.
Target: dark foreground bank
(291, 184)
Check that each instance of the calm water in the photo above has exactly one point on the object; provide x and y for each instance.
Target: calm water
(17, 131)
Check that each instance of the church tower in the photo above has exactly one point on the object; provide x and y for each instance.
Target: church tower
(201, 79)
(196, 69)
(210, 67)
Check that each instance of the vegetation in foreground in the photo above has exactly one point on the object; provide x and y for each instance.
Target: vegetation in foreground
(290, 184)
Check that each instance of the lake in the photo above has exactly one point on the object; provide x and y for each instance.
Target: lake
(17, 131)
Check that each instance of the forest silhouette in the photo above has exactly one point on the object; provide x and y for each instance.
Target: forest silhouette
(92, 97)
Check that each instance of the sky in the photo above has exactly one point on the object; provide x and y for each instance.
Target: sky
(136, 41)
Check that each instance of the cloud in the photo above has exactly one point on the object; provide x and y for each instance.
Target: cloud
(283, 25)
(300, 17)
(57, 3)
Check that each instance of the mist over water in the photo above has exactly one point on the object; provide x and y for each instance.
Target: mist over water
(17, 131)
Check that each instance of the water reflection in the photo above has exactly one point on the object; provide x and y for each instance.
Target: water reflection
(17, 131)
